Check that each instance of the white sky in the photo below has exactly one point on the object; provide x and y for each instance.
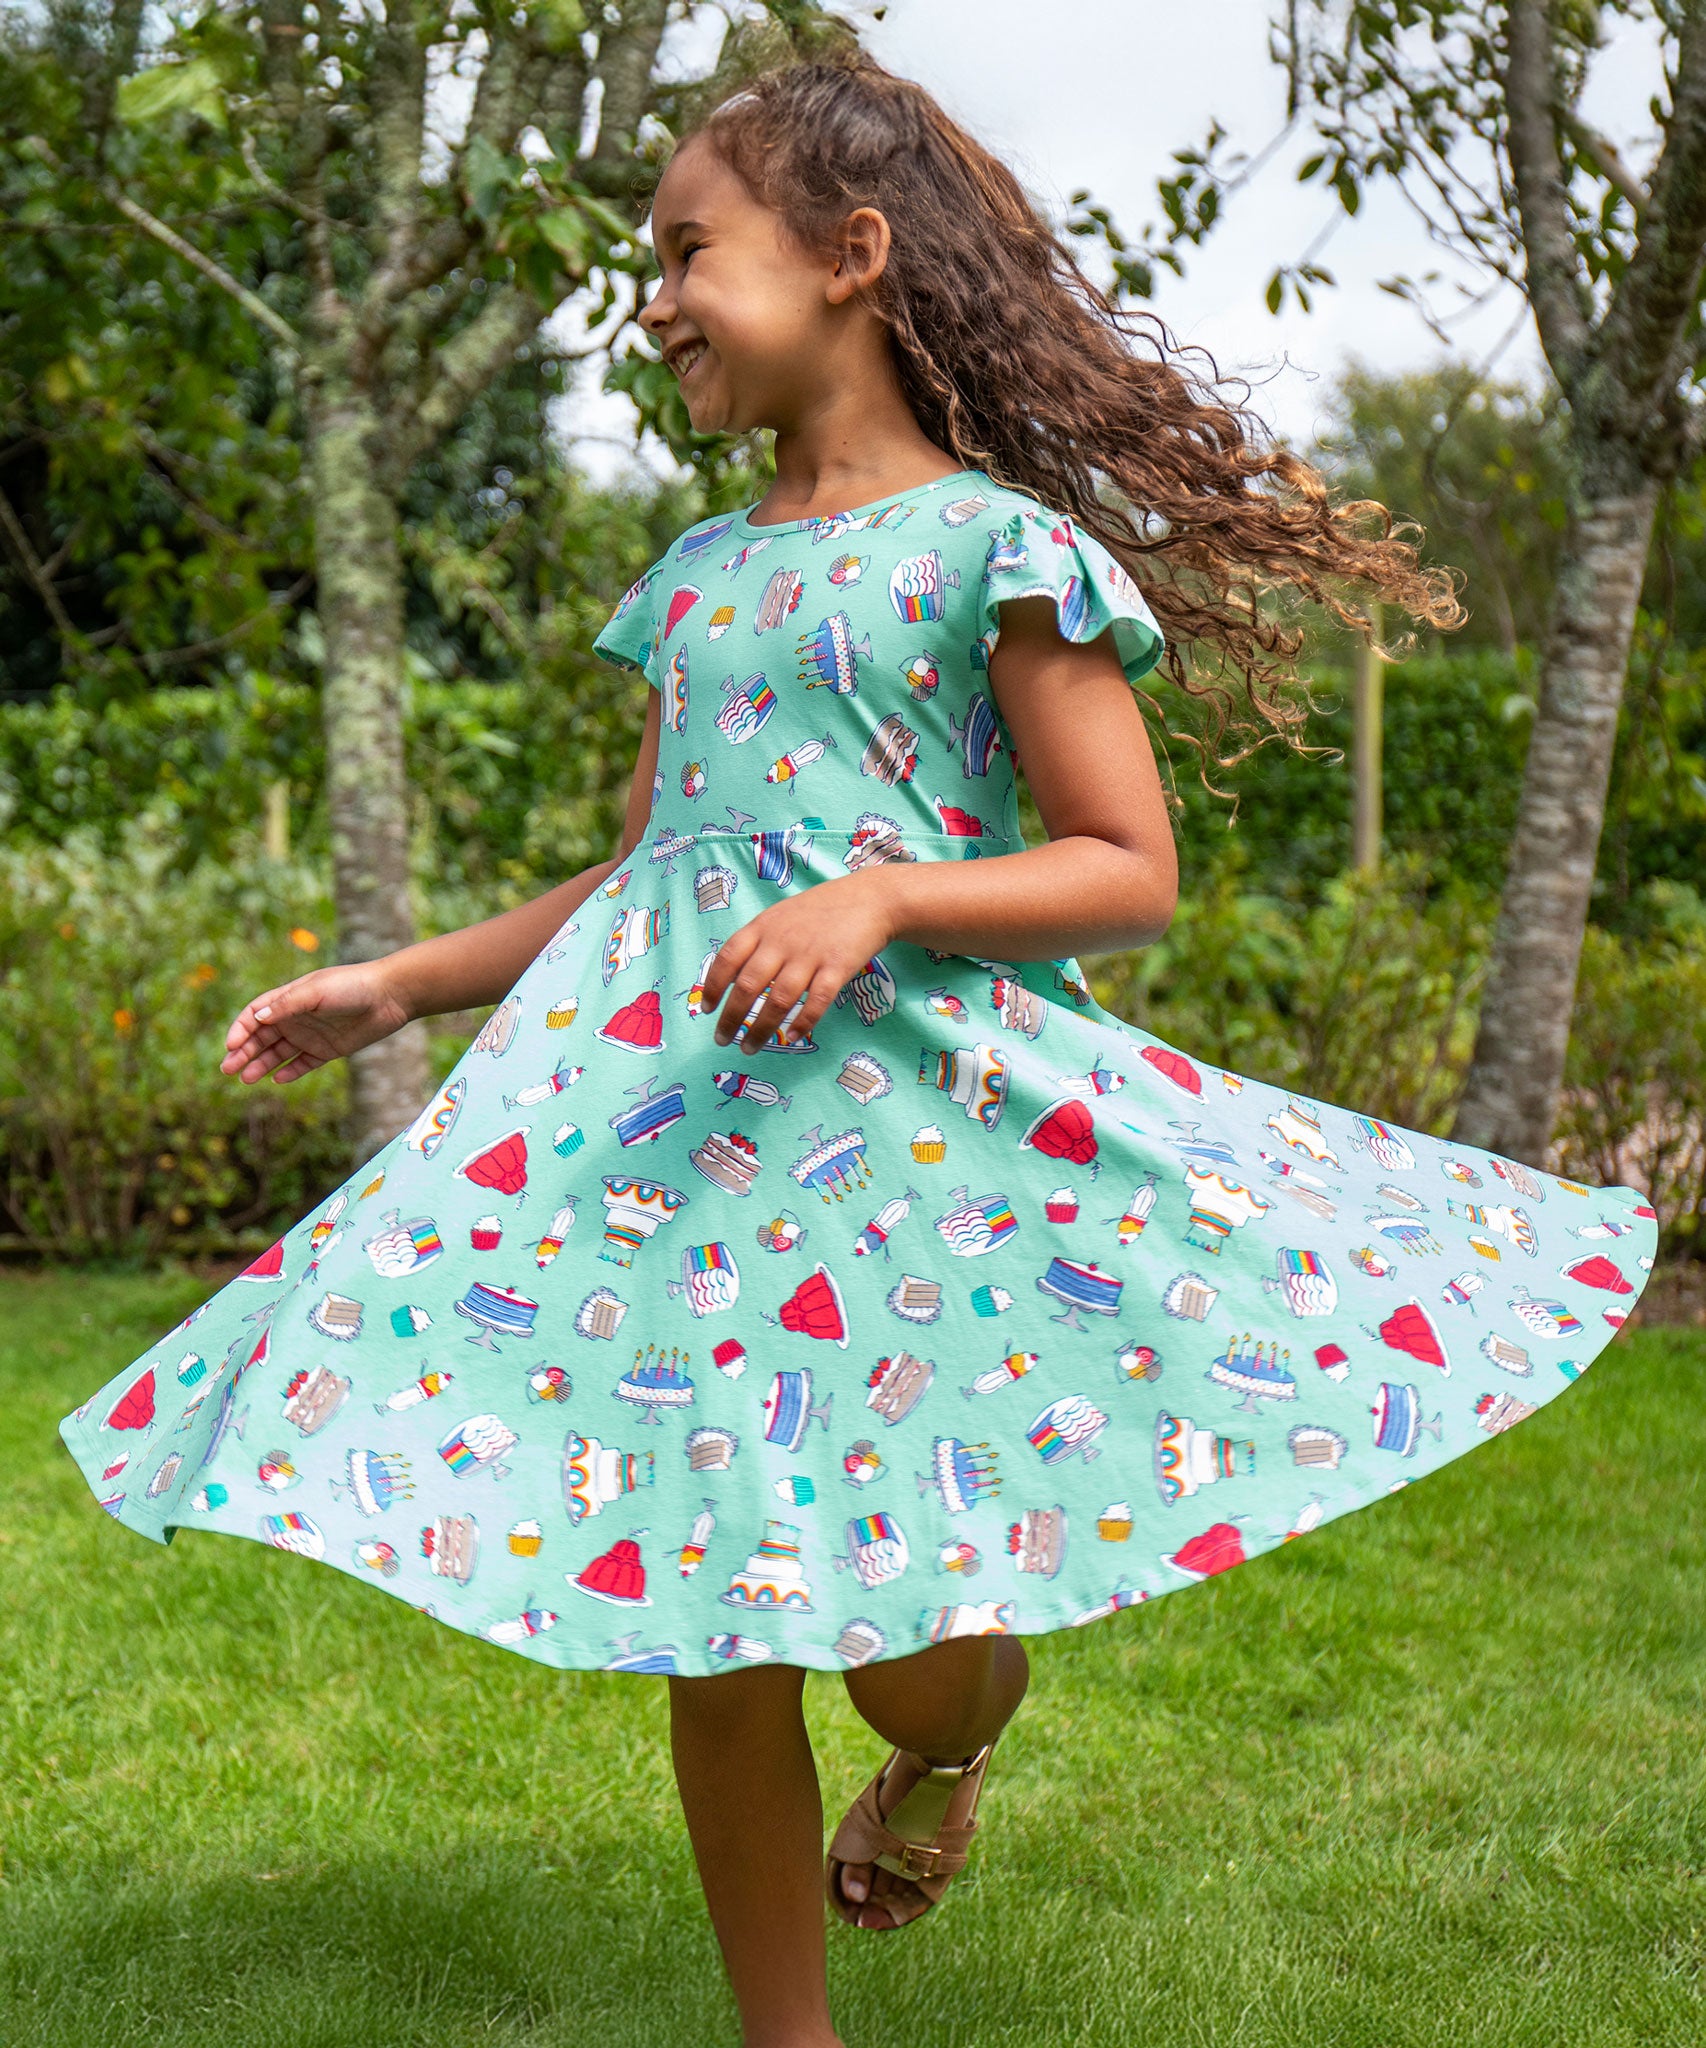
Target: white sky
(1099, 93)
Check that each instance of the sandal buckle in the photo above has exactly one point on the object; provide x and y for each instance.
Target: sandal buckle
(918, 1859)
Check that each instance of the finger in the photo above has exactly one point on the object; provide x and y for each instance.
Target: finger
(266, 1060)
(826, 985)
(264, 1038)
(726, 963)
(257, 1010)
(304, 1063)
(256, 1040)
(785, 991)
(746, 988)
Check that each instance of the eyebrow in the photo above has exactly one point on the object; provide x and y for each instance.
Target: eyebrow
(680, 229)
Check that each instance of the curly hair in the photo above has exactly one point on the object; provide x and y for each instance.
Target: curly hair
(1018, 364)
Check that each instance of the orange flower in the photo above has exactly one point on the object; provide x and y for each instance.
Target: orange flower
(200, 975)
(123, 1020)
(68, 930)
(304, 940)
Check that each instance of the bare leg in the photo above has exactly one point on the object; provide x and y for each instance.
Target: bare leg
(749, 1790)
(942, 1705)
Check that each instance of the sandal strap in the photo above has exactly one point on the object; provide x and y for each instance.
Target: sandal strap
(865, 1835)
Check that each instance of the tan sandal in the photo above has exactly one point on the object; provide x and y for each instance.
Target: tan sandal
(925, 1839)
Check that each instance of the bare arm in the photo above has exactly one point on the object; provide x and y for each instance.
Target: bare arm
(290, 1030)
(1107, 878)
(480, 963)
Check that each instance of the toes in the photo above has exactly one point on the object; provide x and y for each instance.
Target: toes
(855, 1882)
(897, 1896)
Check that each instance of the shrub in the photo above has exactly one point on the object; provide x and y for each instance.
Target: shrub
(1366, 1000)
(1634, 1108)
(118, 980)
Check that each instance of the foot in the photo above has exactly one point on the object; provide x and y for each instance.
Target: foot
(869, 1895)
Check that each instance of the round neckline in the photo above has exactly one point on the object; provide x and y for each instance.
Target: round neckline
(749, 525)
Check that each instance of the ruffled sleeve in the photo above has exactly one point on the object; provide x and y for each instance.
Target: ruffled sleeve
(629, 636)
(1044, 554)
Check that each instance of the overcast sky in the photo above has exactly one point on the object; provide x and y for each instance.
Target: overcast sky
(1099, 93)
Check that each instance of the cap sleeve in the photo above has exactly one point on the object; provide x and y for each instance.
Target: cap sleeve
(1043, 554)
(629, 636)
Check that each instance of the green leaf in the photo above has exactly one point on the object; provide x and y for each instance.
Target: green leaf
(566, 229)
(1276, 291)
(163, 88)
(558, 22)
(602, 216)
(488, 176)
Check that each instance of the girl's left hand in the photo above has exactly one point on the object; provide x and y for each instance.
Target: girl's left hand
(807, 945)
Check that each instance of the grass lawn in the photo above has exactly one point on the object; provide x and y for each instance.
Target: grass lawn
(1431, 1776)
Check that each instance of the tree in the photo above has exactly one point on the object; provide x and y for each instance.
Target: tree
(1475, 462)
(398, 277)
(1476, 114)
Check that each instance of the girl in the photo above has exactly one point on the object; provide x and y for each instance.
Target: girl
(845, 1288)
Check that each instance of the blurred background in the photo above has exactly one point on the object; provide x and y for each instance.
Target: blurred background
(328, 441)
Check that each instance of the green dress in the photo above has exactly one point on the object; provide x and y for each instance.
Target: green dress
(978, 1311)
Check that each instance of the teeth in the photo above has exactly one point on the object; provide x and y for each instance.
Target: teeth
(688, 357)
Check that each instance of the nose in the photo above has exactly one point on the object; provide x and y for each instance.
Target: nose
(657, 312)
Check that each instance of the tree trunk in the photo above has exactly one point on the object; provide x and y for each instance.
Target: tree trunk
(360, 596)
(1510, 1102)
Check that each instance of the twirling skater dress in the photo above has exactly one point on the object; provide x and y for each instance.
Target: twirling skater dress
(978, 1311)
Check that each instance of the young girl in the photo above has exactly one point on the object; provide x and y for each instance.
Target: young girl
(800, 1270)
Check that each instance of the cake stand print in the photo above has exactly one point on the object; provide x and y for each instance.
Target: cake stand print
(976, 1311)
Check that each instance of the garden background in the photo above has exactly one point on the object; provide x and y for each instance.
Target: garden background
(1432, 1776)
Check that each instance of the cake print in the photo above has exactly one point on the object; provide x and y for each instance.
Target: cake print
(976, 1288)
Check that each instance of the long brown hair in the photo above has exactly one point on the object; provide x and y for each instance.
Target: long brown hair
(1017, 364)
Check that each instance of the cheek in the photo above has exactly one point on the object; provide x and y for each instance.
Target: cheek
(756, 329)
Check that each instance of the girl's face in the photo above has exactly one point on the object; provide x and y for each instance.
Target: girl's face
(753, 326)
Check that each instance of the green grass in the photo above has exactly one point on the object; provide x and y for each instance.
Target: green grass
(1431, 1776)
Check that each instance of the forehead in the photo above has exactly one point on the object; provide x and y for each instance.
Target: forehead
(698, 189)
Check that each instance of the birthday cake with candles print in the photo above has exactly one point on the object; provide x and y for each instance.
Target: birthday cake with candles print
(1036, 1319)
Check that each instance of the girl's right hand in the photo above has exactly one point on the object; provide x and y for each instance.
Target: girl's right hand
(324, 1015)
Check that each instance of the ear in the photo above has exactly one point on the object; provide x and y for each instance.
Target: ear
(863, 250)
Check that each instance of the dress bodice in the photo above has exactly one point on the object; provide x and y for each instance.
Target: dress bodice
(832, 673)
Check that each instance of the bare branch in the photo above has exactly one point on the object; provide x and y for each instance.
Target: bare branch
(625, 59)
(207, 523)
(277, 601)
(397, 95)
(1601, 153)
(1659, 291)
(288, 200)
(1554, 284)
(501, 97)
(462, 369)
(40, 581)
(256, 307)
(281, 57)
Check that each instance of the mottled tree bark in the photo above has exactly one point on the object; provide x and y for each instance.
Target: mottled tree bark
(1630, 428)
(359, 574)
(387, 356)
(1510, 1102)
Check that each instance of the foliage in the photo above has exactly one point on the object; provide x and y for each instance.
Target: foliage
(1367, 998)
(1479, 465)
(149, 452)
(1634, 1108)
(119, 973)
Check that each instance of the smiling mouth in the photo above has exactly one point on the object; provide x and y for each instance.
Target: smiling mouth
(688, 360)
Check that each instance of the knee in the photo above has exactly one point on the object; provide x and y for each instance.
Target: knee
(952, 1696)
(735, 1699)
